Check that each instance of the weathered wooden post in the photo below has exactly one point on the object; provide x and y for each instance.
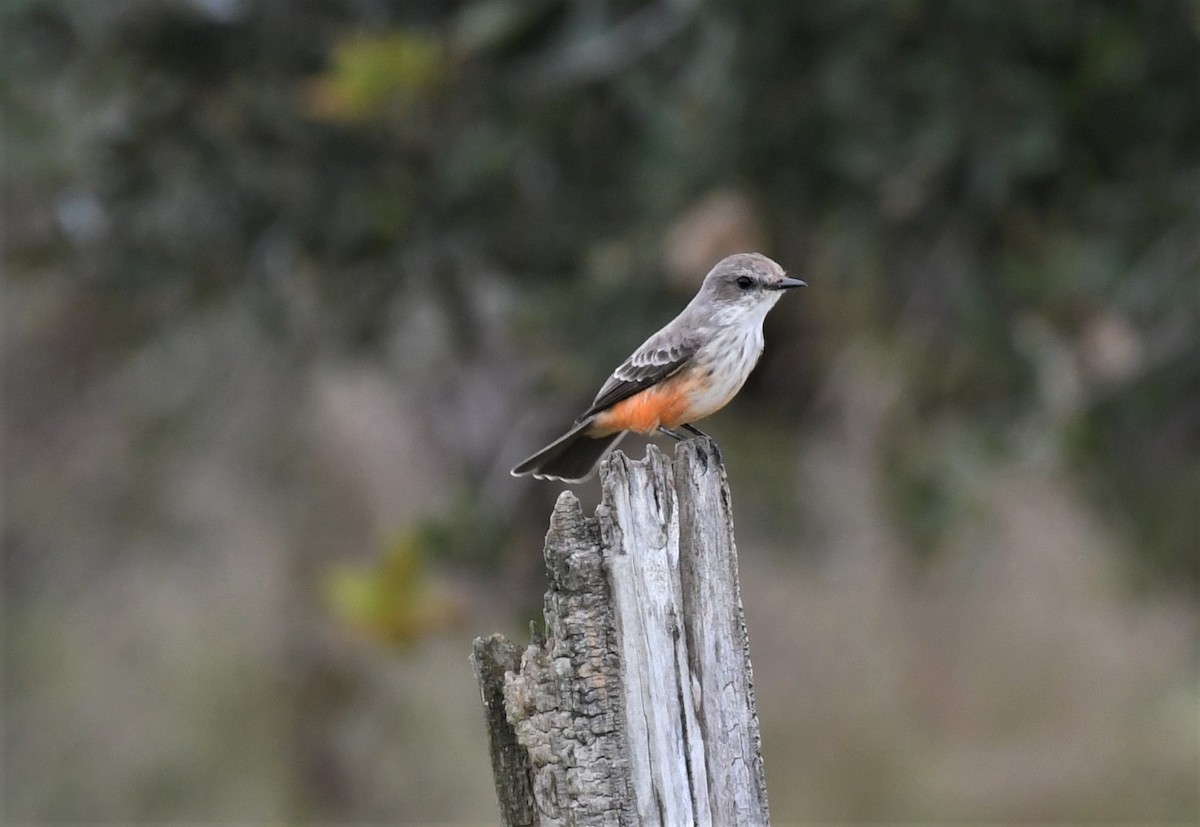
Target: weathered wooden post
(637, 705)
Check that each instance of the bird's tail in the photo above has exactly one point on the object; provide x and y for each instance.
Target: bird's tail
(570, 458)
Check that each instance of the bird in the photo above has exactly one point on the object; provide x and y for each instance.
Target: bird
(688, 370)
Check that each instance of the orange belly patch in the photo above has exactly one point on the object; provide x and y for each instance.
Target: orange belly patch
(670, 404)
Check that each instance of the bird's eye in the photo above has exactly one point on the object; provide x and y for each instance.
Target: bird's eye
(745, 282)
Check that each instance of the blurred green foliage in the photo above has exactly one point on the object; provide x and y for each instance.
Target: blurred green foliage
(396, 601)
(390, 72)
(947, 168)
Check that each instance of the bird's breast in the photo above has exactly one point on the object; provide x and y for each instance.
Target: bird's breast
(721, 368)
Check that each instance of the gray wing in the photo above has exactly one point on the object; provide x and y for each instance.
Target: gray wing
(653, 362)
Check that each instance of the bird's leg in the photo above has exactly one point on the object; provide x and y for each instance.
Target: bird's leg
(673, 434)
(694, 431)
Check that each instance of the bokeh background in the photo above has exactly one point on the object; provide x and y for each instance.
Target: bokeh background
(291, 284)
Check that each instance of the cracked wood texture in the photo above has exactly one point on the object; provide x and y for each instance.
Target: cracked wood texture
(636, 707)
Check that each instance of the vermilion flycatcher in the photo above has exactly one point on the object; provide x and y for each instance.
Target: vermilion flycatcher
(683, 373)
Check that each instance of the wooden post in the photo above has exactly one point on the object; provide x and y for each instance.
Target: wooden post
(637, 706)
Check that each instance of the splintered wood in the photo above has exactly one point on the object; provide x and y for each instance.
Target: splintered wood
(636, 707)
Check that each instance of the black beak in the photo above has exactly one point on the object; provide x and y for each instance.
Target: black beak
(786, 283)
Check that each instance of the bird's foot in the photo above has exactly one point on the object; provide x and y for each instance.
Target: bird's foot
(677, 436)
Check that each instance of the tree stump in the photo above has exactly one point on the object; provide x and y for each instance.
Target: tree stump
(636, 707)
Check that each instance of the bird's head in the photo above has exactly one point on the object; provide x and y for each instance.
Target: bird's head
(744, 286)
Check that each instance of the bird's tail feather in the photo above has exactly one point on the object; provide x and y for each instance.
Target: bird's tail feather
(570, 458)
